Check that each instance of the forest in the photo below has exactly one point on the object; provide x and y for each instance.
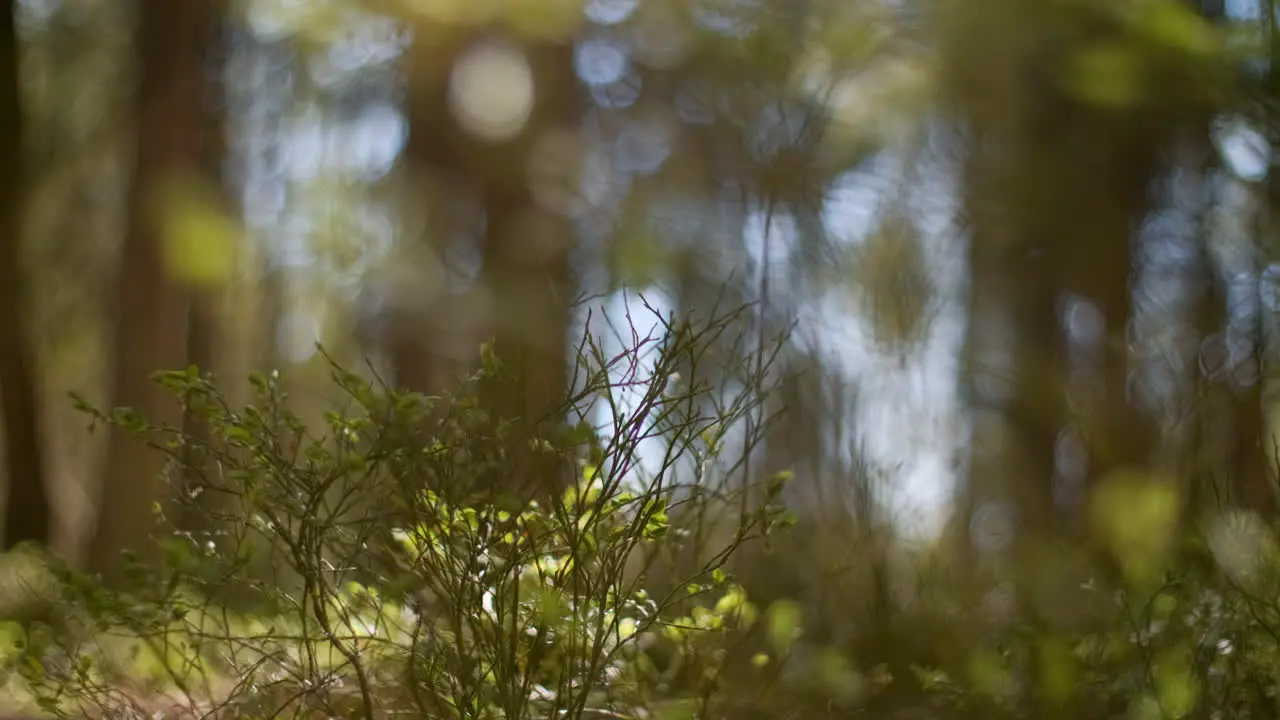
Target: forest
(639, 359)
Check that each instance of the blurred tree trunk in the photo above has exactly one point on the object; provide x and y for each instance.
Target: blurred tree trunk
(204, 332)
(1108, 195)
(525, 243)
(426, 328)
(526, 274)
(1232, 457)
(1217, 430)
(527, 278)
(1266, 482)
(1013, 354)
(172, 38)
(413, 346)
(273, 304)
(28, 512)
(1055, 189)
(1172, 335)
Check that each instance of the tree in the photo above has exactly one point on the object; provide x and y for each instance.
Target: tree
(524, 241)
(203, 326)
(1060, 158)
(28, 510)
(173, 38)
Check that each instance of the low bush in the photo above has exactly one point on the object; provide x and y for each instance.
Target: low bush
(380, 564)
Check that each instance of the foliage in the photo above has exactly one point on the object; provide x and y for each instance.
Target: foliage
(1196, 643)
(374, 568)
(379, 566)
(413, 556)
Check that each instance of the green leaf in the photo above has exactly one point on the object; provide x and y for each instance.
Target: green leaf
(259, 383)
(238, 434)
(489, 361)
(1177, 26)
(782, 622)
(1107, 74)
(656, 522)
(1175, 684)
(200, 242)
(838, 679)
(778, 482)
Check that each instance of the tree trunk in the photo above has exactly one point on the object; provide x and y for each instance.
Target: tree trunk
(172, 37)
(530, 293)
(416, 352)
(28, 510)
(1262, 484)
(1055, 189)
(1109, 194)
(525, 244)
(1013, 356)
(204, 332)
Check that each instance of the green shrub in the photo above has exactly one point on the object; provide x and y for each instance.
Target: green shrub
(382, 564)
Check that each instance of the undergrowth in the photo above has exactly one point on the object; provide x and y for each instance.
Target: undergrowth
(380, 562)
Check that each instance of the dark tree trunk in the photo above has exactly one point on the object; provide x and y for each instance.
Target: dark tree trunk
(1110, 195)
(173, 37)
(1013, 357)
(525, 245)
(527, 276)
(28, 512)
(1055, 189)
(203, 312)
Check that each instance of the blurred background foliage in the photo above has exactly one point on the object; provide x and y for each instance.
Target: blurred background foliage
(1025, 257)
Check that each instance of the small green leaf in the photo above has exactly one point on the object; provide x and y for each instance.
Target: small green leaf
(238, 434)
(783, 624)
